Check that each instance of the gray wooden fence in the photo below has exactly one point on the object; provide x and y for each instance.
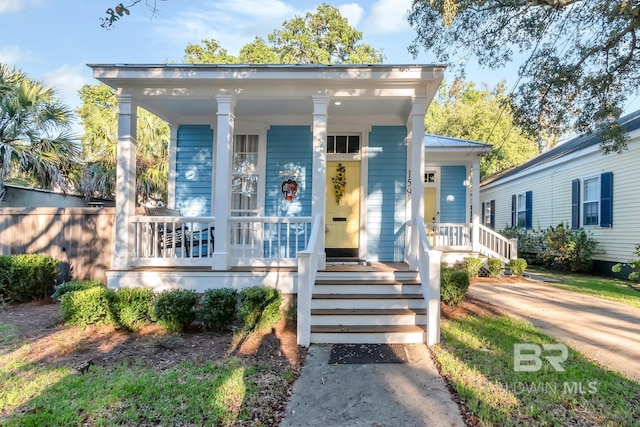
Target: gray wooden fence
(81, 238)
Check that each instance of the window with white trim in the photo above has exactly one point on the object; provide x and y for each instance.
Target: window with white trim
(592, 201)
(244, 176)
(488, 213)
(521, 210)
(343, 144)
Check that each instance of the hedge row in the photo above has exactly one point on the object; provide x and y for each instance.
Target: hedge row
(27, 277)
(87, 303)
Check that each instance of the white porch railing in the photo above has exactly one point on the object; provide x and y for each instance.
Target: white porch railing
(189, 241)
(308, 264)
(496, 245)
(257, 240)
(458, 237)
(429, 270)
(172, 241)
(449, 236)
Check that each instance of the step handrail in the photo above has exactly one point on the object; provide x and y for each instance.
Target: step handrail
(308, 264)
(495, 244)
(429, 270)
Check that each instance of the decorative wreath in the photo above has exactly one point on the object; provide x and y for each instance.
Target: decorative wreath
(339, 183)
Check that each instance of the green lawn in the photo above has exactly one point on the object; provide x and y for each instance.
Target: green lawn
(477, 357)
(227, 391)
(617, 290)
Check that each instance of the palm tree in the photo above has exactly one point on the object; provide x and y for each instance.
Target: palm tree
(36, 142)
(99, 115)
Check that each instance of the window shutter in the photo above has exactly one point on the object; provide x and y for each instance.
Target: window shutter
(529, 207)
(575, 203)
(482, 217)
(493, 214)
(606, 199)
(513, 211)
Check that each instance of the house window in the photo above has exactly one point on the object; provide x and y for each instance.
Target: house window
(522, 209)
(488, 214)
(343, 144)
(430, 177)
(244, 179)
(592, 201)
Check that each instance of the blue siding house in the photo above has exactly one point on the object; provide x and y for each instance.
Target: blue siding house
(285, 175)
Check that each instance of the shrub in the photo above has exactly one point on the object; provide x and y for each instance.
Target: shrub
(134, 307)
(5, 273)
(75, 285)
(531, 243)
(218, 308)
(569, 250)
(634, 264)
(175, 309)
(495, 267)
(93, 306)
(259, 307)
(518, 266)
(472, 266)
(30, 276)
(453, 285)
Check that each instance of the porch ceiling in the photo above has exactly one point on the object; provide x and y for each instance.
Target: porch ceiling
(187, 93)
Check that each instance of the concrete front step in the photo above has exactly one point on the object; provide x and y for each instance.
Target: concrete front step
(367, 334)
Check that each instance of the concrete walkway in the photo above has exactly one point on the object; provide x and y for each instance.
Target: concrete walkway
(604, 331)
(372, 395)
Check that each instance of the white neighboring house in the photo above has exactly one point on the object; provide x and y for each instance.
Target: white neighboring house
(576, 184)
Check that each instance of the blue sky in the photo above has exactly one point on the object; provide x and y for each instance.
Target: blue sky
(54, 40)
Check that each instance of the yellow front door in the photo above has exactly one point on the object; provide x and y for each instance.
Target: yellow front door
(342, 209)
(430, 205)
(430, 213)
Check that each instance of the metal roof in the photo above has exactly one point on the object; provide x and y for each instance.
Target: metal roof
(433, 141)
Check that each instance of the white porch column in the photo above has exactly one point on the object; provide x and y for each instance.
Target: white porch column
(416, 167)
(319, 173)
(173, 150)
(222, 202)
(126, 149)
(475, 206)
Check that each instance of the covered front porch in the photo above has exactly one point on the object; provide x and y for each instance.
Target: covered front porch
(273, 169)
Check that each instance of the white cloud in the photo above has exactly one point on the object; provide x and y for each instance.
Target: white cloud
(8, 6)
(10, 55)
(353, 12)
(233, 23)
(388, 16)
(67, 81)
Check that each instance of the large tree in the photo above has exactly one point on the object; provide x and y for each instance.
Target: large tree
(320, 37)
(37, 146)
(99, 112)
(463, 111)
(580, 66)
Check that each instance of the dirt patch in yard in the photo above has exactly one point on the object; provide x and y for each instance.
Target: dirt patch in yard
(275, 352)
